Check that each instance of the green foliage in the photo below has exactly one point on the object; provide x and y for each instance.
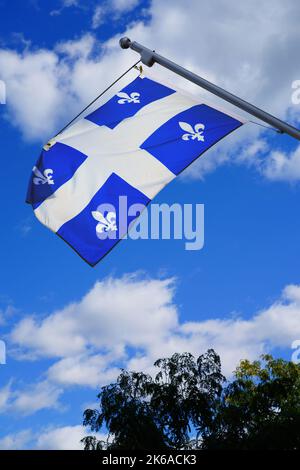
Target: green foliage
(259, 408)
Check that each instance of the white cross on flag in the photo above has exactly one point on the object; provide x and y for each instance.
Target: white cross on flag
(133, 145)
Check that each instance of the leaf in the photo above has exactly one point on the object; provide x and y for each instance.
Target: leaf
(186, 127)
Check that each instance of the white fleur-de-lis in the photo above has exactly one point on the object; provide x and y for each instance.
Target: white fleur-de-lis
(192, 133)
(43, 178)
(125, 98)
(105, 224)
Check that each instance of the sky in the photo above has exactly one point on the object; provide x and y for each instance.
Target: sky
(68, 328)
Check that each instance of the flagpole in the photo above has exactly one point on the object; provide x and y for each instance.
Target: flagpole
(149, 57)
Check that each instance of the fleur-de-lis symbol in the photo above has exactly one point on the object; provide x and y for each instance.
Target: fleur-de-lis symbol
(43, 178)
(105, 224)
(192, 133)
(125, 98)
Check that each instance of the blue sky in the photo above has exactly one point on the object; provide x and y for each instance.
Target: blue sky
(68, 327)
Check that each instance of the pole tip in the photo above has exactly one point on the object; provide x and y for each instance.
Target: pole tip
(125, 43)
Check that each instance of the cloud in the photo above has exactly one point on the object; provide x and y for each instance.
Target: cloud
(113, 314)
(7, 313)
(64, 4)
(24, 227)
(45, 89)
(29, 399)
(33, 82)
(112, 10)
(5, 395)
(233, 338)
(80, 49)
(93, 371)
(16, 441)
(104, 10)
(70, 3)
(122, 6)
(51, 438)
(61, 438)
(208, 38)
(130, 322)
(217, 48)
(98, 16)
(283, 166)
(133, 320)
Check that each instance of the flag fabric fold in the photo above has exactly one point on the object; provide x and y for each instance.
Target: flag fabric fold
(129, 148)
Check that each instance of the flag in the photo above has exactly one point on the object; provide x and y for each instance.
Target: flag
(131, 146)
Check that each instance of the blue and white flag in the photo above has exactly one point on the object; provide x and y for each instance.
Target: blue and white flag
(133, 146)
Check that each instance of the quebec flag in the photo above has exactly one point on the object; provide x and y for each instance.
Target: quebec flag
(127, 149)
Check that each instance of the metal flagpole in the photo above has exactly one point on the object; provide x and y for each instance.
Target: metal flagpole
(149, 57)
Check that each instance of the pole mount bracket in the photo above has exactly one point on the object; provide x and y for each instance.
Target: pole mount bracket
(147, 58)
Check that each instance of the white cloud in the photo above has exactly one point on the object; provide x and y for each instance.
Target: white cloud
(233, 338)
(70, 3)
(254, 153)
(98, 16)
(45, 89)
(112, 11)
(24, 227)
(92, 337)
(4, 396)
(33, 83)
(7, 313)
(282, 166)
(122, 6)
(115, 313)
(51, 438)
(209, 38)
(38, 397)
(27, 400)
(79, 49)
(64, 4)
(16, 441)
(61, 438)
(130, 322)
(94, 371)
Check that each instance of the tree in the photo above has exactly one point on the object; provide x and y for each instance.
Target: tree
(260, 409)
(189, 405)
(125, 412)
(144, 413)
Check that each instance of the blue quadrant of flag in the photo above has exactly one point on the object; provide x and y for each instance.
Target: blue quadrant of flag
(62, 159)
(79, 232)
(120, 155)
(111, 113)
